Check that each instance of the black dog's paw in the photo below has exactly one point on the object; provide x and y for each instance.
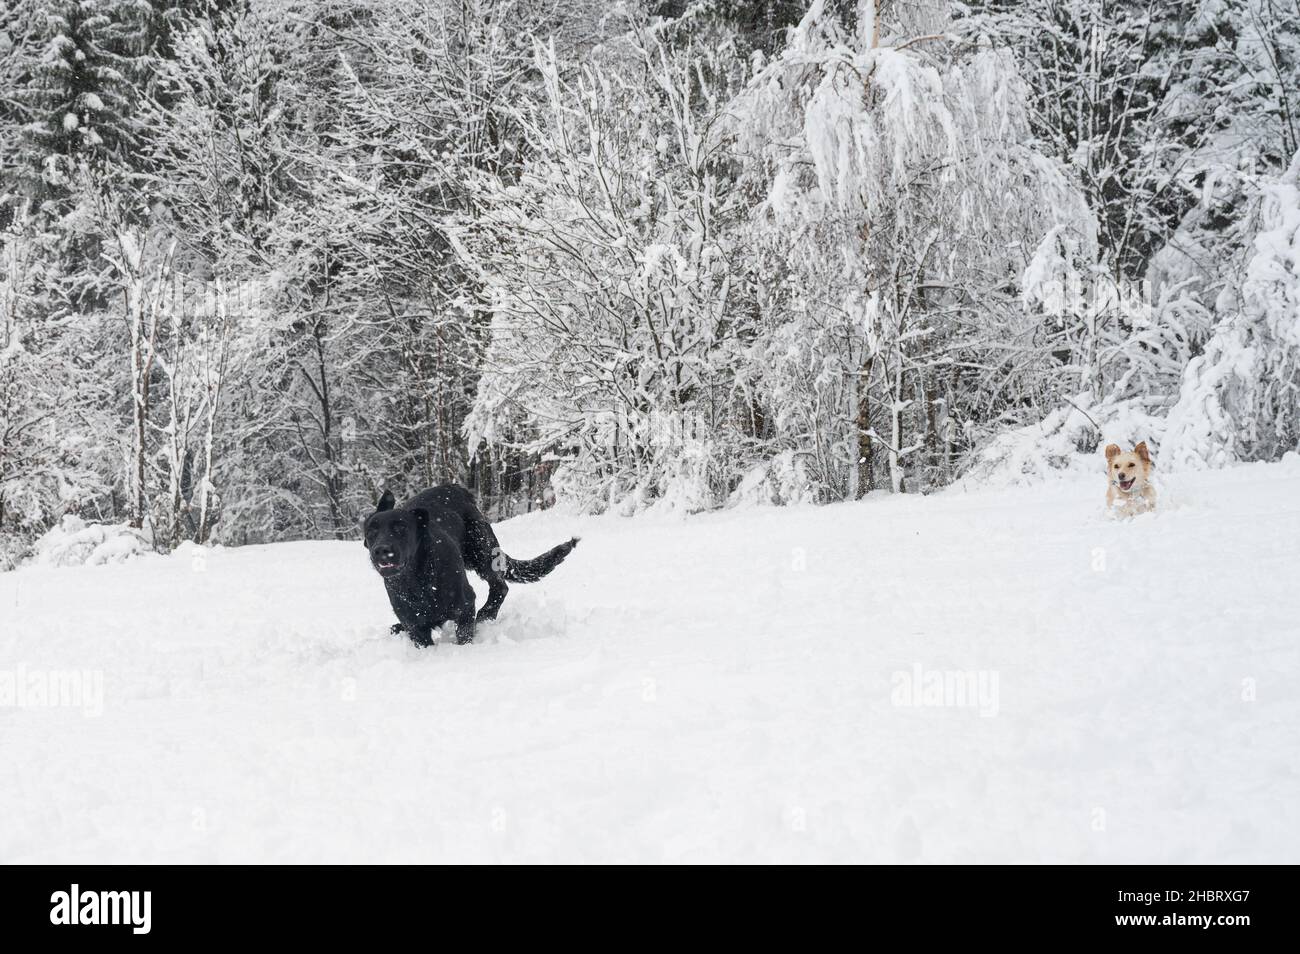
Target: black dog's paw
(397, 628)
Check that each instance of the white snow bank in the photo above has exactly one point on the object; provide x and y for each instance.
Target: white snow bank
(1065, 444)
(73, 542)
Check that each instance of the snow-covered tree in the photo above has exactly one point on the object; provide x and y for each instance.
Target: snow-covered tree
(902, 198)
(1240, 400)
(56, 426)
(616, 336)
(265, 257)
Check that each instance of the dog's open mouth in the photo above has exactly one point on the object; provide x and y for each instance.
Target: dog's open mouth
(386, 568)
(1125, 483)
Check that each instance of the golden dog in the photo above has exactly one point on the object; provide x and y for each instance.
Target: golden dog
(1129, 474)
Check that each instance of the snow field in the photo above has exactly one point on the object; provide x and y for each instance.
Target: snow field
(720, 688)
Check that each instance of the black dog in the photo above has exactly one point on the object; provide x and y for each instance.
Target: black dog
(422, 548)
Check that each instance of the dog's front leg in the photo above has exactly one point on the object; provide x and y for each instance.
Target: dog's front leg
(465, 627)
(421, 635)
(397, 628)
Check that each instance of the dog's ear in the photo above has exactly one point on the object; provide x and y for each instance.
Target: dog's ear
(1143, 454)
(1111, 451)
(421, 518)
(386, 502)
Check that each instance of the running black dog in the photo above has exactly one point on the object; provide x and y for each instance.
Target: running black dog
(422, 548)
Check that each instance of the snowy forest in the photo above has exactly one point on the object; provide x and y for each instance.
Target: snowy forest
(261, 259)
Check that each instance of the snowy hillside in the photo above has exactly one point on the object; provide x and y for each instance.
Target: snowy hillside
(731, 687)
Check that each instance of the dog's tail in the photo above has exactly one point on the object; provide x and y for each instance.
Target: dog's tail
(530, 571)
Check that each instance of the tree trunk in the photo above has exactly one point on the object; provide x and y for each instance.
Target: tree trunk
(333, 475)
(866, 446)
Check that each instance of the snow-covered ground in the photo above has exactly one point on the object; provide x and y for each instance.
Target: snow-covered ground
(728, 687)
